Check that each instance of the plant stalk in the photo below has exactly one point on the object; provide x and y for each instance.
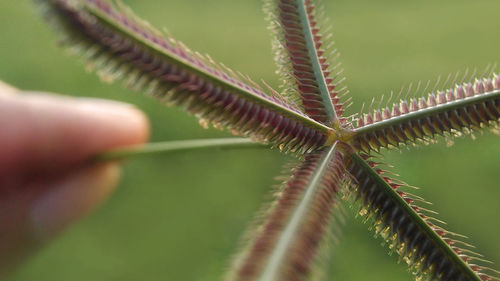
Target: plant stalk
(171, 146)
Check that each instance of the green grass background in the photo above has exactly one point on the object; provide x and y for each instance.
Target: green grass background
(179, 216)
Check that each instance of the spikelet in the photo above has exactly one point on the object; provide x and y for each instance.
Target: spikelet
(296, 223)
(432, 252)
(465, 108)
(119, 45)
(308, 77)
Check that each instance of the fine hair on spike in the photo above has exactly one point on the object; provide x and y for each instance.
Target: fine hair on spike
(466, 72)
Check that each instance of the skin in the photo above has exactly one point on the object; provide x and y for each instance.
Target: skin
(47, 177)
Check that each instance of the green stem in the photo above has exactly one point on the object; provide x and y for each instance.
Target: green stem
(170, 146)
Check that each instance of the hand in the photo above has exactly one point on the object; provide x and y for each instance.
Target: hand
(47, 178)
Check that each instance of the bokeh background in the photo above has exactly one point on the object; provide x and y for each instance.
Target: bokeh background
(179, 216)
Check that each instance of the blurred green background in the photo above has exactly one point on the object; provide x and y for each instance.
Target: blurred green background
(179, 217)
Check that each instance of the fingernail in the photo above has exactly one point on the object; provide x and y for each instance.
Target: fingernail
(110, 107)
(72, 198)
(7, 89)
(122, 115)
(129, 116)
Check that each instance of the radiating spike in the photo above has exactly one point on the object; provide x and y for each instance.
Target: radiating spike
(310, 80)
(426, 247)
(120, 45)
(287, 233)
(463, 109)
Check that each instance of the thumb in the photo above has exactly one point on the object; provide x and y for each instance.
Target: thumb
(71, 198)
(46, 207)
